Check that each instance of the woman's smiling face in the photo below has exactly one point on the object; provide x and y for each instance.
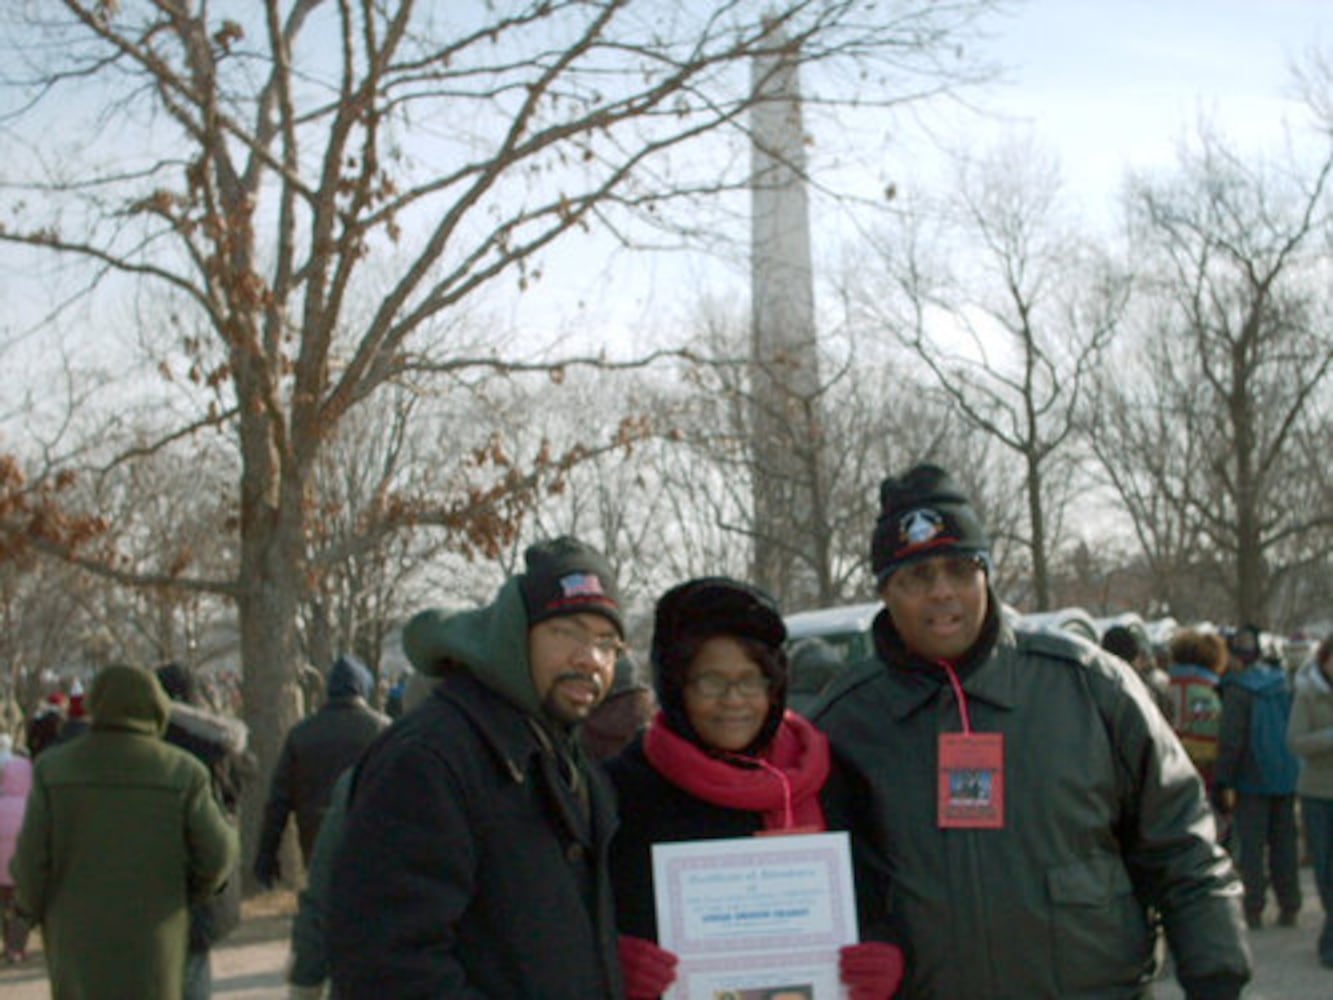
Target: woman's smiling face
(726, 695)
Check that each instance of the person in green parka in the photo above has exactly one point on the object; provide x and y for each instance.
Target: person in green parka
(121, 834)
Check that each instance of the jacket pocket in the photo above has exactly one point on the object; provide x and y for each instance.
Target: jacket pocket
(1099, 931)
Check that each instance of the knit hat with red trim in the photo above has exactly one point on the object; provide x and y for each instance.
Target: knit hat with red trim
(923, 514)
(566, 577)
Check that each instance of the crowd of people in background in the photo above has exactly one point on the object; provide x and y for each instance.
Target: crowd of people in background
(1260, 735)
(491, 831)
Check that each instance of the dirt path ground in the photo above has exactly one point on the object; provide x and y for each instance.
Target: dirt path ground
(249, 965)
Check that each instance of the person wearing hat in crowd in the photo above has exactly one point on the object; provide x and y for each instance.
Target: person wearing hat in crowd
(317, 749)
(1256, 777)
(1121, 640)
(75, 723)
(308, 968)
(1019, 807)
(473, 860)
(624, 711)
(44, 725)
(219, 743)
(722, 758)
(121, 834)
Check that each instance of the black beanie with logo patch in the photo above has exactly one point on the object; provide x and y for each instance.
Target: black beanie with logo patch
(923, 514)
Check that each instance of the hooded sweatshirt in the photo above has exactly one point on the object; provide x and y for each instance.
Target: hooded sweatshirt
(491, 644)
(497, 884)
(1253, 756)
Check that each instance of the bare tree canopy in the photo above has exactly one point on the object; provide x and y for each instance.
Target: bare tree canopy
(1008, 310)
(312, 192)
(1211, 427)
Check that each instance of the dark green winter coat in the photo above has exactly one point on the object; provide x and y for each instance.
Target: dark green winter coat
(1105, 819)
(122, 833)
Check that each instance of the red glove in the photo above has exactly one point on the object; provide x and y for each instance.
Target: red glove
(872, 970)
(648, 969)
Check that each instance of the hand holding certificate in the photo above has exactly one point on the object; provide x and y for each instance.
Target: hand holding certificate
(755, 915)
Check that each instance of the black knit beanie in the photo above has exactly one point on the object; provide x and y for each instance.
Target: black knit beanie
(179, 682)
(1122, 641)
(693, 612)
(566, 577)
(923, 514)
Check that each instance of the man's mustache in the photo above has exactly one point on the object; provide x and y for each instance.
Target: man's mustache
(575, 675)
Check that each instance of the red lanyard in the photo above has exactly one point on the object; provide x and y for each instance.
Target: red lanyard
(958, 694)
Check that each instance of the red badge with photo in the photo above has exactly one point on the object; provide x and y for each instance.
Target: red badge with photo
(971, 781)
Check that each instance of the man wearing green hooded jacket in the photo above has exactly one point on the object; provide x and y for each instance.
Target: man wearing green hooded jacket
(121, 834)
(473, 862)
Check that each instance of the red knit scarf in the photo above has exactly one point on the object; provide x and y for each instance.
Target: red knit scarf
(782, 783)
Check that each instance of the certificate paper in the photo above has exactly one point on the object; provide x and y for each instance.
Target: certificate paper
(752, 914)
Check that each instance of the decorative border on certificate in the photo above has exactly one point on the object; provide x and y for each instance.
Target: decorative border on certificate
(755, 912)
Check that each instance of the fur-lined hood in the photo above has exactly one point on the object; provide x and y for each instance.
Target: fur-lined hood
(231, 734)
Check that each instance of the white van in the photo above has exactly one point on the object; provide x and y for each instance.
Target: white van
(822, 641)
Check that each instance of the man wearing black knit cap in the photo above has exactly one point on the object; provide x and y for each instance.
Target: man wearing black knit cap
(1021, 808)
(473, 861)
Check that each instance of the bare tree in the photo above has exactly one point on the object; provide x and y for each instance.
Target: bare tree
(1205, 436)
(872, 420)
(1150, 453)
(1009, 311)
(248, 165)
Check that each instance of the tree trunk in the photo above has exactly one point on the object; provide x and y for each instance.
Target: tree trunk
(1041, 583)
(272, 584)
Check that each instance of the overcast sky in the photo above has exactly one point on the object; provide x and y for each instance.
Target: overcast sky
(1114, 83)
(1104, 84)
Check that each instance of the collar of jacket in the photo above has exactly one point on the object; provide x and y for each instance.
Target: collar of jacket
(512, 738)
(986, 674)
(346, 701)
(505, 730)
(223, 732)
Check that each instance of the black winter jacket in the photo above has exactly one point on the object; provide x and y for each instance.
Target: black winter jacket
(317, 749)
(466, 867)
(463, 870)
(657, 811)
(218, 743)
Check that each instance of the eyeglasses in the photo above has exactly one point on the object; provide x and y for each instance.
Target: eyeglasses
(713, 686)
(571, 637)
(920, 578)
